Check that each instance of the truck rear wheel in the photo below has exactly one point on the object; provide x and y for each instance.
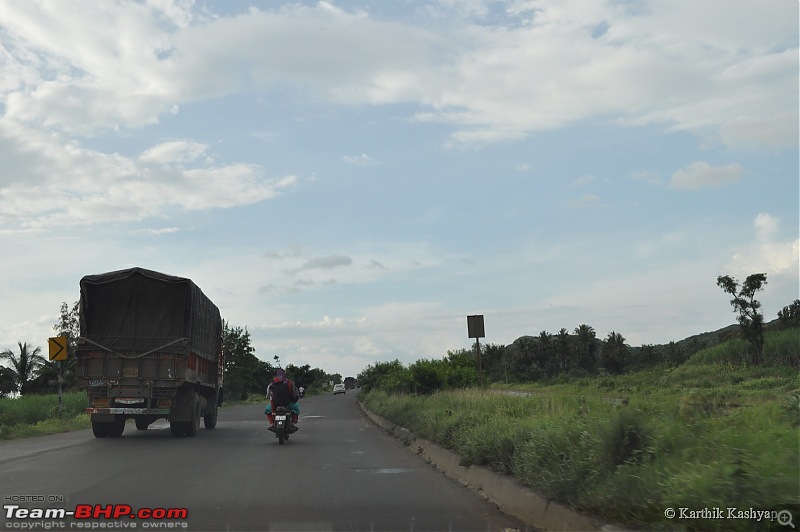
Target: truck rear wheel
(100, 429)
(109, 429)
(210, 418)
(116, 427)
(193, 426)
(176, 427)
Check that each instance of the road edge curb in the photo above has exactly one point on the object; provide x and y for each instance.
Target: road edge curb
(506, 492)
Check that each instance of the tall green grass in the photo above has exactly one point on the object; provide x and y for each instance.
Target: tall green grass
(38, 414)
(781, 348)
(627, 447)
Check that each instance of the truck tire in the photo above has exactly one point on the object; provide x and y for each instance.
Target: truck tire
(176, 428)
(116, 427)
(193, 426)
(100, 429)
(210, 418)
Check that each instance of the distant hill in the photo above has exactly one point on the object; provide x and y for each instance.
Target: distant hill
(710, 338)
(706, 339)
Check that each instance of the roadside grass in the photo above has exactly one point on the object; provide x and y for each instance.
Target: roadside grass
(627, 447)
(37, 415)
(45, 427)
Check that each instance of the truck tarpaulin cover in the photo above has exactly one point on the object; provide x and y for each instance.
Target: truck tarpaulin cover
(140, 310)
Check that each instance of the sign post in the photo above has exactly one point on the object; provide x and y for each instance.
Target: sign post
(475, 330)
(58, 352)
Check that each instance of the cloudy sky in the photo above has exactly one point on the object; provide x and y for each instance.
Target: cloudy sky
(350, 179)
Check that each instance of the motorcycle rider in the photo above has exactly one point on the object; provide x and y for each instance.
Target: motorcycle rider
(282, 392)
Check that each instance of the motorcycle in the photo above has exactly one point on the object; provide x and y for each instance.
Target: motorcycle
(282, 426)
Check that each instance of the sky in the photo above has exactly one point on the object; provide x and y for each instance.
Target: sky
(350, 179)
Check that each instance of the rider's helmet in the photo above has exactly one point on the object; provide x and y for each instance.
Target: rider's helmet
(280, 375)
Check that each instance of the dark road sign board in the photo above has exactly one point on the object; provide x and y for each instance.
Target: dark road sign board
(475, 326)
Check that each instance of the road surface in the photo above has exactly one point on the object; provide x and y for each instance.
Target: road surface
(339, 472)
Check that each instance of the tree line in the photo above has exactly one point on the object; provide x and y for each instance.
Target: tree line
(578, 353)
(247, 374)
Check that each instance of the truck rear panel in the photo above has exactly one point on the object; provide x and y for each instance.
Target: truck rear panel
(150, 344)
(139, 384)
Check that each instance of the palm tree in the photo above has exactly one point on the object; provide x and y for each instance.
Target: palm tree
(615, 352)
(24, 367)
(563, 348)
(586, 345)
(545, 341)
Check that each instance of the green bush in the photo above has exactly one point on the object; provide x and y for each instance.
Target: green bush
(386, 376)
(428, 376)
(422, 377)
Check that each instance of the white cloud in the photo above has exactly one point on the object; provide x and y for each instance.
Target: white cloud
(324, 263)
(359, 160)
(73, 185)
(158, 232)
(124, 65)
(766, 253)
(650, 67)
(585, 179)
(766, 226)
(586, 200)
(77, 69)
(700, 174)
(174, 152)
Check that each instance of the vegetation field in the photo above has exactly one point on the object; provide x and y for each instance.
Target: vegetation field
(710, 433)
(37, 415)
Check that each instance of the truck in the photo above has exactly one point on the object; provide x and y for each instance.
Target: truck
(150, 347)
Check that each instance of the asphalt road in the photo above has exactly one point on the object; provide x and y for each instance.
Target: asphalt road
(339, 472)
